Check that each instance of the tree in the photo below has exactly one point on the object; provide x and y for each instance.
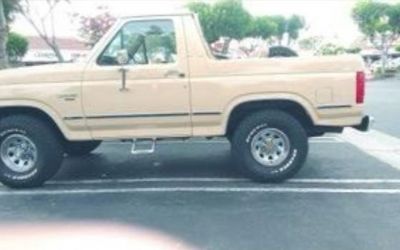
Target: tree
(394, 18)
(228, 18)
(7, 10)
(380, 22)
(231, 19)
(310, 43)
(25, 8)
(290, 26)
(225, 18)
(10, 8)
(206, 17)
(330, 49)
(281, 27)
(17, 46)
(263, 27)
(294, 24)
(94, 27)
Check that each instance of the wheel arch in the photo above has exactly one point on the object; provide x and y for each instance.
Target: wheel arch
(294, 105)
(36, 110)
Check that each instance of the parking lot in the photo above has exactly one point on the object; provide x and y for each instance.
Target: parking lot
(347, 196)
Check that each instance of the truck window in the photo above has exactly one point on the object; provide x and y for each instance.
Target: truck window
(147, 42)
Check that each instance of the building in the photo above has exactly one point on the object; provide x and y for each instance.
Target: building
(40, 53)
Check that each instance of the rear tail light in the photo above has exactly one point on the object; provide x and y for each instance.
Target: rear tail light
(360, 87)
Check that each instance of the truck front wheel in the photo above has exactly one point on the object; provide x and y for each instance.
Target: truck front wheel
(270, 146)
(30, 151)
(80, 148)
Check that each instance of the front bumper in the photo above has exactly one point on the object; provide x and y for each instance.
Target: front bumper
(366, 124)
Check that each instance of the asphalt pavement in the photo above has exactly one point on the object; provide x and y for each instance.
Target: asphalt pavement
(383, 102)
(343, 198)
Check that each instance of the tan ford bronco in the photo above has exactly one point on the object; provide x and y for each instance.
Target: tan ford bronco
(154, 77)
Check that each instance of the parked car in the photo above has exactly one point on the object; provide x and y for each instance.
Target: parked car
(266, 107)
(391, 65)
(396, 62)
(282, 51)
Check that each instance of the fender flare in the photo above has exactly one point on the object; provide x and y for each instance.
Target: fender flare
(51, 113)
(304, 103)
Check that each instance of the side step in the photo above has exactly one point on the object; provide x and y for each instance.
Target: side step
(143, 146)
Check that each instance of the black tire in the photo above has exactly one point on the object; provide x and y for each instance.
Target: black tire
(80, 148)
(274, 119)
(48, 147)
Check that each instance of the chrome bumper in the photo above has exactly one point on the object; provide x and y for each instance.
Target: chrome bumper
(365, 124)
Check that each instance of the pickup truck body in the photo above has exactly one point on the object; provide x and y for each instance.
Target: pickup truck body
(192, 95)
(85, 100)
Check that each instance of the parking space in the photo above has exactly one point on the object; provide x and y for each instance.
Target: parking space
(208, 164)
(328, 158)
(342, 198)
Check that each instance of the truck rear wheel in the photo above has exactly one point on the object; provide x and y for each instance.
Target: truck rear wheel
(80, 148)
(30, 151)
(270, 146)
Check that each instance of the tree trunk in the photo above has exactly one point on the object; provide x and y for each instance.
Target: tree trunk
(227, 43)
(53, 45)
(50, 41)
(289, 41)
(57, 51)
(385, 54)
(3, 38)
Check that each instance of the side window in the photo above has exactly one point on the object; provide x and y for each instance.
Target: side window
(147, 42)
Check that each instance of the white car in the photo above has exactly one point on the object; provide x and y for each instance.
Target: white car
(391, 65)
(396, 62)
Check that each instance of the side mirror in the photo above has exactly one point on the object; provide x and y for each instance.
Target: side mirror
(122, 57)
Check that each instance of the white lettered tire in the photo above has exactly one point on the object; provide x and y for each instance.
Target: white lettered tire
(270, 145)
(30, 151)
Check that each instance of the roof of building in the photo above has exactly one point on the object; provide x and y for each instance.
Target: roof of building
(38, 43)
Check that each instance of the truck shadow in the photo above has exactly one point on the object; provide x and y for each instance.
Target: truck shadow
(213, 160)
(170, 160)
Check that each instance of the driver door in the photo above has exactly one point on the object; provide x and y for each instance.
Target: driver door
(149, 96)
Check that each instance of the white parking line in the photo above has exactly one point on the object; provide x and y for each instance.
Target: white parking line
(345, 181)
(327, 139)
(219, 180)
(48, 191)
(377, 144)
(201, 190)
(144, 180)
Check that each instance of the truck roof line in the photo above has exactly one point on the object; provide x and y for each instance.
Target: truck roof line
(159, 15)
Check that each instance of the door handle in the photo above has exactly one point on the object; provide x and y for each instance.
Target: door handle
(176, 73)
(123, 79)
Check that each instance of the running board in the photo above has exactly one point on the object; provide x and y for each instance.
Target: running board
(143, 146)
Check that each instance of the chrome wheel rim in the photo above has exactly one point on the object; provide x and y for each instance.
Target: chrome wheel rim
(270, 147)
(18, 153)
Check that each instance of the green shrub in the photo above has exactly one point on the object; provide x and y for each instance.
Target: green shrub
(354, 50)
(17, 46)
(330, 49)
